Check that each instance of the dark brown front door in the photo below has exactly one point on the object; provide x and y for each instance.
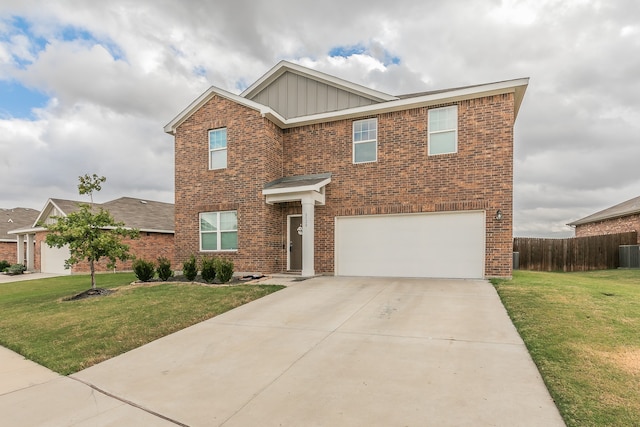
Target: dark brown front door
(295, 243)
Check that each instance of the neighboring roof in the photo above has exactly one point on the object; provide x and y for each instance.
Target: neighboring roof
(630, 207)
(386, 105)
(11, 219)
(145, 215)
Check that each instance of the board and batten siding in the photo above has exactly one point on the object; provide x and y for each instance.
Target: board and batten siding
(292, 95)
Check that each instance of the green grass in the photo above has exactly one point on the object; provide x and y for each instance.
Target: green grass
(583, 332)
(67, 336)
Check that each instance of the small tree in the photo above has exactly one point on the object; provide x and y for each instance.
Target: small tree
(90, 235)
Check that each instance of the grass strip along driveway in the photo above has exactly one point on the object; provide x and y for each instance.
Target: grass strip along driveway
(67, 336)
(583, 332)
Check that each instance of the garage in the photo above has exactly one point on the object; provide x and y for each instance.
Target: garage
(439, 245)
(52, 259)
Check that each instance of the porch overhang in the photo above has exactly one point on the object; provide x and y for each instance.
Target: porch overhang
(309, 188)
(309, 191)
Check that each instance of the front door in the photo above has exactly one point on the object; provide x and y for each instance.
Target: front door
(295, 243)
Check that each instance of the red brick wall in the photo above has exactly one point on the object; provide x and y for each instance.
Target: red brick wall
(9, 252)
(150, 246)
(610, 226)
(254, 157)
(403, 180)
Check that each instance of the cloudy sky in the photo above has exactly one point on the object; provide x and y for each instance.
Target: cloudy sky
(87, 86)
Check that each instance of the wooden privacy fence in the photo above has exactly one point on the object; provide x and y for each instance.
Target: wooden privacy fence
(573, 254)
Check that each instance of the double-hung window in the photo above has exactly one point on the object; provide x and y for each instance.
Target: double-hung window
(365, 141)
(219, 231)
(443, 130)
(218, 148)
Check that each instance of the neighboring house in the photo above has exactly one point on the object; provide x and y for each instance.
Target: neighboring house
(620, 218)
(153, 219)
(9, 220)
(309, 173)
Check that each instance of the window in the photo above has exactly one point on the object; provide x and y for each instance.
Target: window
(219, 231)
(218, 148)
(443, 130)
(365, 141)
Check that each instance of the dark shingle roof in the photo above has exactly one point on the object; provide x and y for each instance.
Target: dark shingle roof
(11, 219)
(142, 214)
(297, 181)
(630, 207)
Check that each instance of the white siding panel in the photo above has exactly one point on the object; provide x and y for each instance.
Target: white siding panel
(443, 245)
(52, 259)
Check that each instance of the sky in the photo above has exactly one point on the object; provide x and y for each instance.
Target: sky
(87, 87)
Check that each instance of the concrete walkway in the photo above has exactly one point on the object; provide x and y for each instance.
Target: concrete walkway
(326, 351)
(4, 278)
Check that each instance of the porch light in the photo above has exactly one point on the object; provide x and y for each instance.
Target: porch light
(299, 230)
(499, 215)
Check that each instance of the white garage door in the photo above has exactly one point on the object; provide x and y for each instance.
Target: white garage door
(450, 244)
(52, 259)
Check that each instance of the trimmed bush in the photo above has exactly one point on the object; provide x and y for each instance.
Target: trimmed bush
(208, 269)
(164, 269)
(16, 269)
(190, 268)
(144, 270)
(4, 265)
(224, 269)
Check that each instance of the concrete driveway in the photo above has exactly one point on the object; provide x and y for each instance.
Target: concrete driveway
(328, 351)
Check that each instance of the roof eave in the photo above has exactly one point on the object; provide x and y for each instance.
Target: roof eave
(30, 230)
(171, 127)
(517, 86)
(586, 220)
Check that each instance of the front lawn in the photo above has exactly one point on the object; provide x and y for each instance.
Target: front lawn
(67, 336)
(583, 332)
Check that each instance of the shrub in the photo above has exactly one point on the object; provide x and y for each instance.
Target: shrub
(4, 265)
(208, 269)
(16, 269)
(144, 270)
(224, 268)
(190, 268)
(164, 269)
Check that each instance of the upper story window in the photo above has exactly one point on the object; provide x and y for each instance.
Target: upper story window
(365, 141)
(443, 130)
(219, 231)
(218, 148)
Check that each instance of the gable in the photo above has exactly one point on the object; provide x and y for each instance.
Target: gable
(290, 95)
(294, 95)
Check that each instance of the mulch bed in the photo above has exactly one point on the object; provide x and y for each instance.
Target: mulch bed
(89, 293)
(98, 292)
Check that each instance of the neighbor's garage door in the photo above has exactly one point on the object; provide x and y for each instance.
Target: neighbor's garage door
(450, 244)
(52, 259)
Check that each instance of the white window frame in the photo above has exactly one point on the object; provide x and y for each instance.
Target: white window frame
(218, 232)
(355, 143)
(211, 151)
(442, 131)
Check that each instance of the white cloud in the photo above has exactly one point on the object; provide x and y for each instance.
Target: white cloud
(118, 71)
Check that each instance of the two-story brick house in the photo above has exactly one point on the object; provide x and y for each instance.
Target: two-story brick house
(307, 172)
